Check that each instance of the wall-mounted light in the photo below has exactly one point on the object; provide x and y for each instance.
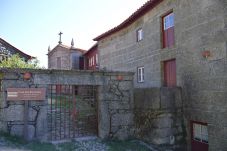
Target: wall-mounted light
(27, 75)
(206, 53)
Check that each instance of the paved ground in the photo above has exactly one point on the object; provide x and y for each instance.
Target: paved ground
(10, 149)
(10, 143)
(82, 144)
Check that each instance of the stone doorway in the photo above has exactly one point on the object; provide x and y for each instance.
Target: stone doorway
(72, 111)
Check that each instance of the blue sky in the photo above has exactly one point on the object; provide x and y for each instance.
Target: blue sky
(33, 25)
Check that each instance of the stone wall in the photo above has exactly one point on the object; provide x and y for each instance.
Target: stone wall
(199, 25)
(115, 101)
(203, 80)
(159, 115)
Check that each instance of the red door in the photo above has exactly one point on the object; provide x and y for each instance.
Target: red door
(168, 30)
(170, 73)
(199, 136)
(58, 89)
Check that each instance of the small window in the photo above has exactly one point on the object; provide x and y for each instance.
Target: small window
(168, 21)
(90, 62)
(140, 74)
(97, 60)
(200, 133)
(140, 34)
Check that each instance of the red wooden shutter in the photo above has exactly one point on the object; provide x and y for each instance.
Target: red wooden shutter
(170, 73)
(170, 36)
(165, 39)
(168, 30)
(58, 89)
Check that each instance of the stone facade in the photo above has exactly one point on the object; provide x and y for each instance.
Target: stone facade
(200, 25)
(115, 101)
(64, 57)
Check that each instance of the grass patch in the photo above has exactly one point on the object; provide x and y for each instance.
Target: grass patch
(13, 140)
(38, 146)
(20, 143)
(109, 145)
(69, 146)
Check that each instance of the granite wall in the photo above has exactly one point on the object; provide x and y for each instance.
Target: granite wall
(199, 25)
(159, 115)
(115, 101)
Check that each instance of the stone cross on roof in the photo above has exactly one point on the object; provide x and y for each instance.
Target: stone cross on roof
(60, 37)
(72, 43)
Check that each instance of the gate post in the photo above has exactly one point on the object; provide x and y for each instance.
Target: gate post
(26, 112)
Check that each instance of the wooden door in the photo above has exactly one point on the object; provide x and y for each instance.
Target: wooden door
(170, 73)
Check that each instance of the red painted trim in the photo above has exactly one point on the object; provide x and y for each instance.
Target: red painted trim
(95, 46)
(139, 13)
(91, 53)
(170, 73)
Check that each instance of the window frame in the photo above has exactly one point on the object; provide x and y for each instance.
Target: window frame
(139, 34)
(171, 23)
(199, 136)
(163, 29)
(96, 58)
(140, 74)
(93, 60)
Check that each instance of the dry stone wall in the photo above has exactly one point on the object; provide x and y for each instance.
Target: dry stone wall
(159, 115)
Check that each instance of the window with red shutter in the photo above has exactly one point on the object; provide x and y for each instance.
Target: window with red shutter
(170, 73)
(168, 30)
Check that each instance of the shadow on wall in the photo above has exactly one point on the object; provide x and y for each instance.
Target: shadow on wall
(159, 115)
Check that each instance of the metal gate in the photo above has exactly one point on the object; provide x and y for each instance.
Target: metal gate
(72, 111)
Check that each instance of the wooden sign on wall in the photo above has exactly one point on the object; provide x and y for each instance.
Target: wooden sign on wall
(29, 94)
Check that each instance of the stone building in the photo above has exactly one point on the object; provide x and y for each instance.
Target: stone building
(178, 43)
(7, 50)
(91, 58)
(65, 57)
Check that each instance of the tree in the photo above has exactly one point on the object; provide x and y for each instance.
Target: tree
(16, 62)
